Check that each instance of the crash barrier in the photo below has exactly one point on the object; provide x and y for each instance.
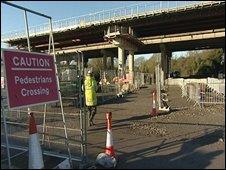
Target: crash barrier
(50, 129)
(112, 15)
(204, 93)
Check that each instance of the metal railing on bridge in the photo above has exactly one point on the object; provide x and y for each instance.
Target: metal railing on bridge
(106, 16)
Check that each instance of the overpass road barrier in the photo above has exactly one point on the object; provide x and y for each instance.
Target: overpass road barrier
(131, 11)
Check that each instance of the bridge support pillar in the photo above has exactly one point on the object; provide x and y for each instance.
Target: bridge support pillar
(121, 62)
(124, 44)
(169, 56)
(131, 66)
(223, 60)
(108, 55)
(165, 62)
(112, 63)
(105, 62)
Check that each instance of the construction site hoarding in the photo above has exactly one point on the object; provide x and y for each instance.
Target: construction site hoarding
(30, 78)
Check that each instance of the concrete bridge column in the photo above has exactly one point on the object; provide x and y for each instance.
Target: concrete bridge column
(86, 60)
(121, 62)
(169, 56)
(165, 61)
(112, 63)
(131, 65)
(223, 60)
(105, 62)
(108, 55)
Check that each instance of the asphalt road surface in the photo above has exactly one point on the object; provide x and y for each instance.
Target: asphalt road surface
(186, 137)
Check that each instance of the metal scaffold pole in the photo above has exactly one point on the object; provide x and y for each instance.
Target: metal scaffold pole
(6, 135)
(83, 120)
(158, 81)
(58, 85)
(51, 43)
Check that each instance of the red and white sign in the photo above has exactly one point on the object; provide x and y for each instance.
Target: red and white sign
(30, 78)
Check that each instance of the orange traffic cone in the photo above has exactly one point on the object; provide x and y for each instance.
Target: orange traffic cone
(109, 150)
(108, 159)
(153, 112)
(35, 152)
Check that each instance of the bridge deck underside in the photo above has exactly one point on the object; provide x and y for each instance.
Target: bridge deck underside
(189, 20)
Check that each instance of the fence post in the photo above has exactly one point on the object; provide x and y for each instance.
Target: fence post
(6, 136)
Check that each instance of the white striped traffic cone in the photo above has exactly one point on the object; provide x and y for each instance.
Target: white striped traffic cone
(35, 152)
(109, 150)
(108, 159)
(153, 112)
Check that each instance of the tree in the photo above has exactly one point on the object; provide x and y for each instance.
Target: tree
(97, 65)
(199, 63)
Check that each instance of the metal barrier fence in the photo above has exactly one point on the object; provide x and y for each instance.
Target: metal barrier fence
(50, 124)
(111, 85)
(108, 15)
(204, 93)
(192, 92)
(212, 93)
(108, 86)
(50, 129)
(139, 80)
(69, 85)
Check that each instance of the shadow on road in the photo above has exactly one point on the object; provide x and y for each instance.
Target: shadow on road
(115, 101)
(187, 157)
(172, 110)
(182, 123)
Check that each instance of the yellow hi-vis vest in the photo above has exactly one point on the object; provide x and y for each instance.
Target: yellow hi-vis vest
(90, 91)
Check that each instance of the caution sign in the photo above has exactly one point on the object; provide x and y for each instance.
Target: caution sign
(30, 78)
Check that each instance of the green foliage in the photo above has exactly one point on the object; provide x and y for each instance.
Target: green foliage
(146, 66)
(201, 63)
(97, 65)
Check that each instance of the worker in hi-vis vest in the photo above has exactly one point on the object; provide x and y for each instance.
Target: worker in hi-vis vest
(90, 96)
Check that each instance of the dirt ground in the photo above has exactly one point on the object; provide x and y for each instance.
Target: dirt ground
(187, 137)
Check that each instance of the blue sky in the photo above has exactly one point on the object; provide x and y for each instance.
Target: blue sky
(13, 19)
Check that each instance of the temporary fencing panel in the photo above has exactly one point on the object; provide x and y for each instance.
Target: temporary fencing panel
(51, 132)
(108, 84)
(49, 123)
(204, 93)
(69, 81)
(212, 93)
(139, 80)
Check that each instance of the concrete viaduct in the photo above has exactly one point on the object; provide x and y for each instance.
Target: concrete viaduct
(165, 29)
